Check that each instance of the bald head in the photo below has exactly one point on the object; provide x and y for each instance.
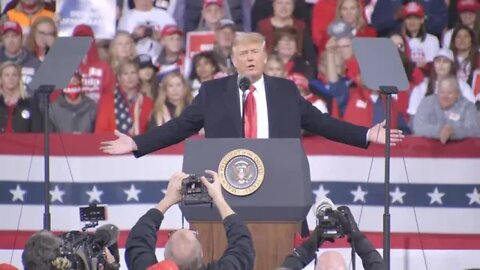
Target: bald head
(331, 260)
(184, 249)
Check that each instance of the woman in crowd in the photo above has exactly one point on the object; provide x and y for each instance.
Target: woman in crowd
(204, 68)
(42, 36)
(174, 95)
(127, 110)
(351, 11)
(286, 48)
(146, 74)
(122, 48)
(17, 112)
(423, 46)
(467, 15)
(414, 74)
(465, 50)
(283, 18)
(443, 67)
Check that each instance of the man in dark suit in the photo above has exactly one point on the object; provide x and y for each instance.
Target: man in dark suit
(277, 111)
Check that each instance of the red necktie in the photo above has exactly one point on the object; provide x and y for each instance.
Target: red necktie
(250, 115)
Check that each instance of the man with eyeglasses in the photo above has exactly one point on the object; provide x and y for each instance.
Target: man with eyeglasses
(183, 247)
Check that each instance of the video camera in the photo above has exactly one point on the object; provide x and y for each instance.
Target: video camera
(194, 191)
(83, 250)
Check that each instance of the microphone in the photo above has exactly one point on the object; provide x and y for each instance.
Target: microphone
(244, 83)
(106, 235)
(321, 207)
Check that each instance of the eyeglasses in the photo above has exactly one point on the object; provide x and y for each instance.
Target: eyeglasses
(195, 232)
(52, 34)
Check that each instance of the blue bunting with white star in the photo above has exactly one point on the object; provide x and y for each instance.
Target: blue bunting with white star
(150, 192)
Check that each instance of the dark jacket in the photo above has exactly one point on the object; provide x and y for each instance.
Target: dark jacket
(305, 253)
(140, 247)
(73, 118)
(26, 117)
(217, 109)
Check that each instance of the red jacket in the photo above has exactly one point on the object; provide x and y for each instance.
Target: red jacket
(97, 75)
(359, 110)
(105, 122)
(265, 28)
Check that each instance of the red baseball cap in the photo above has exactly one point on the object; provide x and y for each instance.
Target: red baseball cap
(299, 79)
(12, 26)
(467, 5)
(83, 30)
(413, 9)
(171, 29)
(164, 265)
(209, 2)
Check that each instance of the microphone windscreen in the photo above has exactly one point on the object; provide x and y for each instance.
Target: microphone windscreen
(244, 83)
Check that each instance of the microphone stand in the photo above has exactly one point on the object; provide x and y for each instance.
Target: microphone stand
(244, 99)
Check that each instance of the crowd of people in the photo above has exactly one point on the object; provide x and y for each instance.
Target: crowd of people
(138, 79)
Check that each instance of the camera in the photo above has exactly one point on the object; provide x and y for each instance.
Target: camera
(84, 250)
(194, 191)
(328, 219)
(330, 224)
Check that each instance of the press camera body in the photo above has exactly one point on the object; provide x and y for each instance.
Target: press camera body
(194, 191)
(84, 250)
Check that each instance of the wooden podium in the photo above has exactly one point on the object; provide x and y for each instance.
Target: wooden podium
(272, 241)
(273, 213)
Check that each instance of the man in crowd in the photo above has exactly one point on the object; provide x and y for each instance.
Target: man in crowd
(273, 109)
(447, 115)
(222, 50)
(14, 51)
(183, 247)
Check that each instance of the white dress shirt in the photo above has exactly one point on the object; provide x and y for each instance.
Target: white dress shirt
(261, 105)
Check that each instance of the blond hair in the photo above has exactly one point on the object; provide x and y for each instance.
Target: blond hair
(160, 108)
(242, 38)
(30, 43)
(21, 87)
(360, 21)
(112, 53)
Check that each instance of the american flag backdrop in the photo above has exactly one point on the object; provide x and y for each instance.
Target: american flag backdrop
(435, 193)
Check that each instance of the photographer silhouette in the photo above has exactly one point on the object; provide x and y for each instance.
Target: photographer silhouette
(306, 252)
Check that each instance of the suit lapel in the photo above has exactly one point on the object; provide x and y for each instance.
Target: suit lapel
(273, 106)
(232, 103)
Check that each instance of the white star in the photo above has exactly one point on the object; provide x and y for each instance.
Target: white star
(56, 194)
(359, 194)
(18, 193)
(94, 195)
(474, 197)
(436, 196)
(132, 193)
(397, 195)
(321, 193)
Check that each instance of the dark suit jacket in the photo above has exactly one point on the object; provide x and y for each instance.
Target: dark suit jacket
(217, 108)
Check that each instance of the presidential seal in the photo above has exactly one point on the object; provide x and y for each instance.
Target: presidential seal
(241, 172)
